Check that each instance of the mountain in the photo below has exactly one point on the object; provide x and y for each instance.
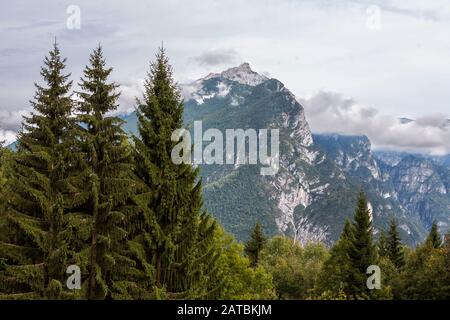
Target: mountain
(421, 183)
(319, 176)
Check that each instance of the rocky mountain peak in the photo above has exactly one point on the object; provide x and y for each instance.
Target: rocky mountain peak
(244, 75)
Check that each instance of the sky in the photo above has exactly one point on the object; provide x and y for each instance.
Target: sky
(389, 58)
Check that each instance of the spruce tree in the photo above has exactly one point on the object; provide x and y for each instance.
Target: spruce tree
(362, 251)
(177, 232)
(106, 185)
(434, 238)
(382, 244)
(34, 250)
(2, 166)
(394, 246)
(255, 245)
(334, 278)
(3, 169)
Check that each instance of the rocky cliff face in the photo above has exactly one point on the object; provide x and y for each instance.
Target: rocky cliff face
(422, 187)
(318, 177)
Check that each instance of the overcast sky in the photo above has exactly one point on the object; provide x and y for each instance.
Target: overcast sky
(389, 56)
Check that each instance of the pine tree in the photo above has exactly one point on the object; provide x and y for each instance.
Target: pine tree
(106, 185)
(333, 281)
(255, 245)
(362, 252)
(3, 180)
(394, 246)
(180, 252)
(35, 251)
(3, 161)
(382, 244)
(434, 238)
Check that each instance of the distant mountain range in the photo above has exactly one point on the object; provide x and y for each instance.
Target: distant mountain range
(319, 176)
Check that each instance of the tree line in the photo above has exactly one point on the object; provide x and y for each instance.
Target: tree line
(341, 273)
(79, 192)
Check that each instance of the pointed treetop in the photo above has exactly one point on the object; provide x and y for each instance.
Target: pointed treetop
(434, 238)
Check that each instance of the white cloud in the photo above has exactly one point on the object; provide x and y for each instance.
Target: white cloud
(218, 57)
(10, 120)
(7, 136)
(329, 112)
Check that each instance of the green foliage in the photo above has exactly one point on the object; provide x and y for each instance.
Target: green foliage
(235, 277)
(434, 238)
(382, 244)
(33, 248)
(177, 233)
(344, 274)
(255, 245)
(334, 278)
(394, 246)
(106, 185)
(294, 269)
(4, 159)
(426, 274)
(361, 251)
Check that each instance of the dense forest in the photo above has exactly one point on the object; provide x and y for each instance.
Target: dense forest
(79, 192)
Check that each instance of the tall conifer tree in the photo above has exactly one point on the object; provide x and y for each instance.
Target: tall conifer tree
(434, 238)
(105, 182)
(335, 275)
(255, 244)
(382, 244)
(394, 246)
(178, 232)
(362, 251)
(35, 252)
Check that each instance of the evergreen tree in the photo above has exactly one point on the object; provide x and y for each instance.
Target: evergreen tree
(255, 245)
(3, 161)
(333, 281)
(2, 166)
(105, 184)
(3, 169)
(35, 252)
(434, 238)
(394, 246)
(382, 244)
(362, 252)
(172, 216)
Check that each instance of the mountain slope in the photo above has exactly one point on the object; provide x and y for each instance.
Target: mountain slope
(319, 176)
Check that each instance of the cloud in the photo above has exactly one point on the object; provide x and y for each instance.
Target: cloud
(129, 91)
(10, 120)
(308, 45)
(7, 137)
(34, 25)
(218, 57)
(436, 10)
(329, 112)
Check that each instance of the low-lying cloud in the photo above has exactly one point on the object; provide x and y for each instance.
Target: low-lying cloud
(10, 122)
(329, 112)
(218, 57)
